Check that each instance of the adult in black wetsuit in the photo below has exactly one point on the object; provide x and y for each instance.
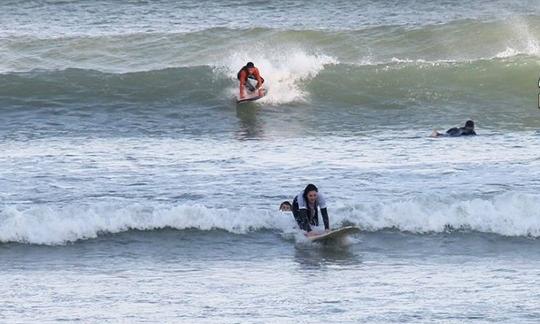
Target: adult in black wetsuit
(467, 130)
(305, 209)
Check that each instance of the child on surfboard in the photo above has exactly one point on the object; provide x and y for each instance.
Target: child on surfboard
(305, 209)
(249, 71)
(285, 206)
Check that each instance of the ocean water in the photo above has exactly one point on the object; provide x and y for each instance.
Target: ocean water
(134, 189)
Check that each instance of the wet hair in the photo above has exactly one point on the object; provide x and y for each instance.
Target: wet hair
(469, 124)
(250, 65)
(285, 203)
(309, 187)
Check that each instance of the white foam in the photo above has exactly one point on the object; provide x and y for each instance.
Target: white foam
(284, 69)
(506, 214)
(59, 225)
(508, 52)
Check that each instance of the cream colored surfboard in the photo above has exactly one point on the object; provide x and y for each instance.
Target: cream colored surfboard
(335, 234)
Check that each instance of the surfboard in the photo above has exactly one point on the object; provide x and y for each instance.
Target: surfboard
(253, 96)
(334, 234)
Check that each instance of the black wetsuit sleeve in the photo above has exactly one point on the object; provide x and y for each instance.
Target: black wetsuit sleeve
(324, 213)
(464, 131)
(302, 219)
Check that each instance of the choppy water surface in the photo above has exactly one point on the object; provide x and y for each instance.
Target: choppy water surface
(132, 188)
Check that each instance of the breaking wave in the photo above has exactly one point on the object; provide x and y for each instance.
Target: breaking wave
(505, 214)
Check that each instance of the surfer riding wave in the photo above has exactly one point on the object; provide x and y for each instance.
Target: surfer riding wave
(249, 71)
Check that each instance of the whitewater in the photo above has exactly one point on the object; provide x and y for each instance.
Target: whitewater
(134, 189)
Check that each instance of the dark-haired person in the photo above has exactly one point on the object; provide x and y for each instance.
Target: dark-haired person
(467, 130)
(285, 206)
(249, 71)
(305, 209)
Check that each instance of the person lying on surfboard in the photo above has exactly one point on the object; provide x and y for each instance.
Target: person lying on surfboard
(467, 130)
(249, 71)
(305, 209)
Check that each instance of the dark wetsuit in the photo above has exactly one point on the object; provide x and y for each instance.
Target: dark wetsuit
(306, 216)
(460, 131)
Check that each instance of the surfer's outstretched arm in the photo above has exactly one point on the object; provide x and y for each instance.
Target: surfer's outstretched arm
(260, 82)
(324, 213)
(258, 77)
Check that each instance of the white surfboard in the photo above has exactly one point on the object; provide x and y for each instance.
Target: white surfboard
(336, 234)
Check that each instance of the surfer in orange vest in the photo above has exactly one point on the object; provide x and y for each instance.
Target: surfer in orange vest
(249, 71)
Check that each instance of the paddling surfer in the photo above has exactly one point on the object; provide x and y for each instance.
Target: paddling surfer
(467, 130)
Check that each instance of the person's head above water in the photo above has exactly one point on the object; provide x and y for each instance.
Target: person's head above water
(310, 193)
(285, 206)
(250, 67)
(469, 124)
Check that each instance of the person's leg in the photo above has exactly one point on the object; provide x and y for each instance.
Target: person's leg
(261, 89)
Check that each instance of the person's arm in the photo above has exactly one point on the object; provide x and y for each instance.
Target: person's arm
(302, 220)
(321, 201)
(242, 80)
(259, 79)
(326, 221)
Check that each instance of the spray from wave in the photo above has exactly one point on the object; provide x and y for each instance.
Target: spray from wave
(285, 70)
(524, 41)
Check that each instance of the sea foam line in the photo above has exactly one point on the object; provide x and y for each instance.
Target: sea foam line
(509, 214)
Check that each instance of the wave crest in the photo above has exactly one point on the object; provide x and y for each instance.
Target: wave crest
(59, 225)
(285, 70)
(506, 214)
